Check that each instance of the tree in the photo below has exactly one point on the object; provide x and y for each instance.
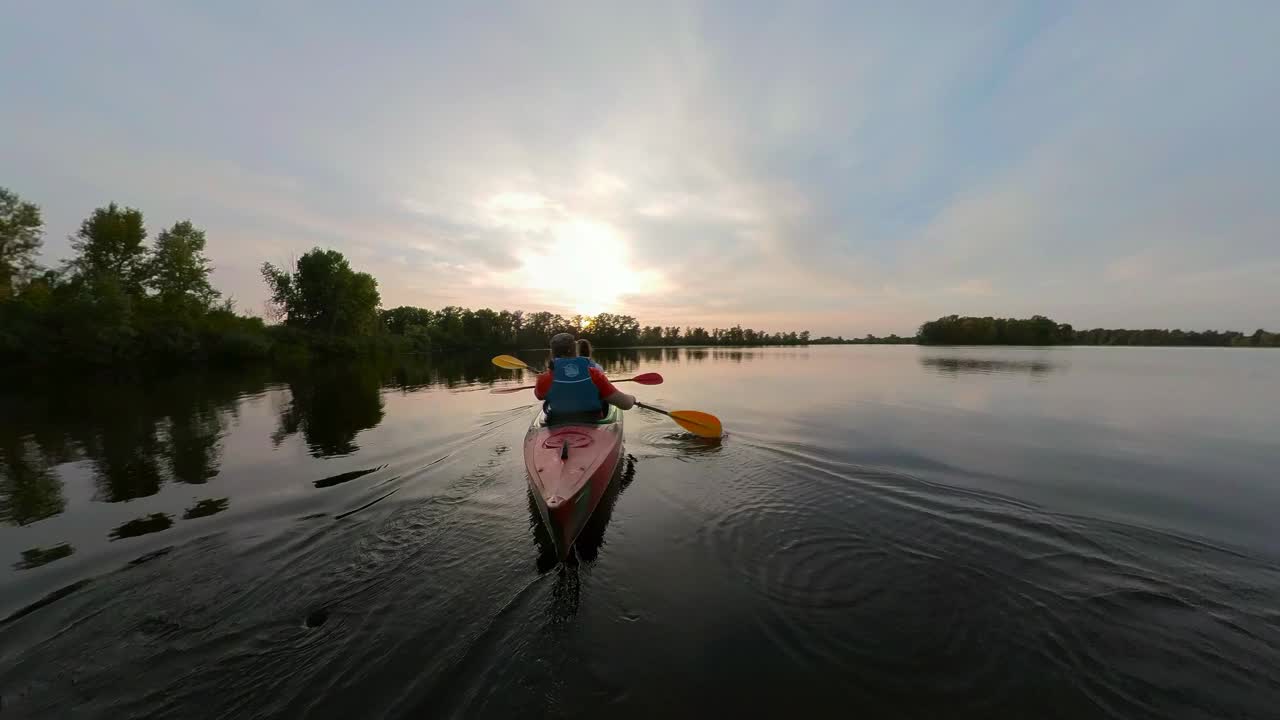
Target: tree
(480, 327)
(324, 294)
(178, 270)
(109, 249)
(20, 231)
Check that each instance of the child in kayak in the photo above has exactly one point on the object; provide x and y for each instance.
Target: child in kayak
(570, 386)
(584, 350)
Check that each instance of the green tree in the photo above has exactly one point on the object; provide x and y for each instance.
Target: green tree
(20, 237)
(109, 250)
(178, 269)
(324, 294)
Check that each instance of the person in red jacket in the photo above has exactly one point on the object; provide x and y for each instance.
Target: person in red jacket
(571, 386)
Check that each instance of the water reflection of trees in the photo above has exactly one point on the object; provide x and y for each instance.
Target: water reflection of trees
(952, 366)
(194, 453)
(135, 436)
(37, 556)
(621, 362)
(447, 370)
(330, 406)
(145, 525)
(125, 456)
(29, 489)
(206, 507)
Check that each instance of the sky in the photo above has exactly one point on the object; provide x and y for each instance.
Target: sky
(844, 167)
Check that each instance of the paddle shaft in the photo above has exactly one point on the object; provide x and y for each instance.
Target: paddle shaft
(530, 387)
(681, 418)
(650, 407)
(698, 423)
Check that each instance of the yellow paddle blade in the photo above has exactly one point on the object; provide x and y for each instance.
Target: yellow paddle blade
(510, 362)
(699, 423)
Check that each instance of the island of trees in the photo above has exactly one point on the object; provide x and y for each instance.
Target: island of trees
(1040, 330)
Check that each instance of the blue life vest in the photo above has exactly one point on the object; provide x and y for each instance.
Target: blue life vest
(571, 388)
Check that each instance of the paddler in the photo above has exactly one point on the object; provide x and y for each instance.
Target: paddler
(584, 350)
(570, 386)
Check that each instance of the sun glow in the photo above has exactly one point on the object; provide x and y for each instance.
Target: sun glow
(588, 268)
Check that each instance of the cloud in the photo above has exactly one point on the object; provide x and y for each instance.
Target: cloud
(847, 168)
(1129, 268)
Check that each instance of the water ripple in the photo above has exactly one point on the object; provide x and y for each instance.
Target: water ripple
(892, 578)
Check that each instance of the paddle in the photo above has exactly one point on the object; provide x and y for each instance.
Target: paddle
(643, 379)
(699, 423)
(511, 362)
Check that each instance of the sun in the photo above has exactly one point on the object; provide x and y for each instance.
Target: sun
(590, 308)
(588, 268)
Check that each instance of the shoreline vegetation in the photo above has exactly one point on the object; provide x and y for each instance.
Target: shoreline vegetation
(1040, 330)
(119, 302)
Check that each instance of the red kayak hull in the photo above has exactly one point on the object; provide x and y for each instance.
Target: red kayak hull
(570, 466)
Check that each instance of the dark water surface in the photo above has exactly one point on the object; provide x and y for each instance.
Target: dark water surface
(885, 532)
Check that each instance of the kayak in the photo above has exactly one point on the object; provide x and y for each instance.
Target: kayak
(570, 466)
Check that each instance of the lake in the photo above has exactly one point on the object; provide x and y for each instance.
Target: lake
(885, 531)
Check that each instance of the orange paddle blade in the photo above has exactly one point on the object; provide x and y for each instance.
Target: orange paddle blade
(699, 423)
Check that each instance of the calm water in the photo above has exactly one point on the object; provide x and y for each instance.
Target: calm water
(885, 531)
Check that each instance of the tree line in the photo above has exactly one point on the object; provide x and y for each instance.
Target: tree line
(458, 327)
(119, 300)
(1040, 330)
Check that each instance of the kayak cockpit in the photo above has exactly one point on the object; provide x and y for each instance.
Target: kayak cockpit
(546, 419)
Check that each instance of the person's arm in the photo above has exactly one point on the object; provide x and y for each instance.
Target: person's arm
(622, 400)
(542, 385)
(610, 393)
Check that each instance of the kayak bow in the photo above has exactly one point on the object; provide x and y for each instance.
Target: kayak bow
(570, 466)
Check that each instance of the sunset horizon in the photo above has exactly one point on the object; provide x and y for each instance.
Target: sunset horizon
(848, 170)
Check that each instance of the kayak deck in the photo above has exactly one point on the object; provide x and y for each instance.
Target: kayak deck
(570, 465)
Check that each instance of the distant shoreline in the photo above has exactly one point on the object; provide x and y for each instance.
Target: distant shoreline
(1039, 330)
